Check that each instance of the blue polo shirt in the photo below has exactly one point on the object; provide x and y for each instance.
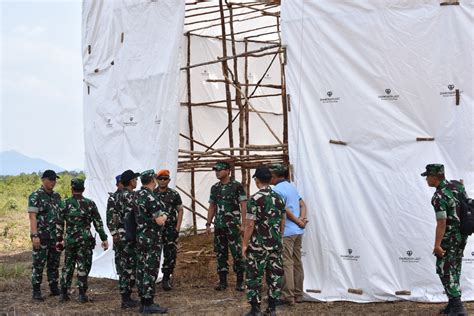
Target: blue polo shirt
(292, 199)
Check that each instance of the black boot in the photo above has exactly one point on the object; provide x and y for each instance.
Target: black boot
(37, 293)
(54, 290)
(255, 310)
(82, 296)
(128, 302)
(64, 295)
(271, 309)
(222, 281)
(239, 286)
(457, 307)
(147, 307)
(165, 282)
(445, 310)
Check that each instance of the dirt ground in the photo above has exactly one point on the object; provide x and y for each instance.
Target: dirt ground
(193, 292)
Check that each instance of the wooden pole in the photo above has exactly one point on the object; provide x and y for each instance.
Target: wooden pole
(283, 92)
(190, 126)
(225, 71)
(246, 109)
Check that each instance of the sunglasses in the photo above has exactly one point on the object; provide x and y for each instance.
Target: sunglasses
(163, 178)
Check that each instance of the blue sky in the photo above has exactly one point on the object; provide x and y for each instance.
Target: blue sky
(41, 80)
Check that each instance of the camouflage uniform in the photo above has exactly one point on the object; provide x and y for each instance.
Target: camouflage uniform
(46, 206)
(227, 198)
(264, 252)
(446, 205)
(113, 222)
(126, 251)
(148, 241)
(172, 201)
(78, 214)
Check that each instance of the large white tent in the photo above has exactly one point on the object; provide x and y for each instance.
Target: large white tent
(370, 76)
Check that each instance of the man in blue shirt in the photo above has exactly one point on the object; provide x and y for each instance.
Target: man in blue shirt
(293, 235)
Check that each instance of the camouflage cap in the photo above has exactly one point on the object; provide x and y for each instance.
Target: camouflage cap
(279, 169)
(433, 170)
(117, 178)
(77, 184)
(221, 165)
(149, 172)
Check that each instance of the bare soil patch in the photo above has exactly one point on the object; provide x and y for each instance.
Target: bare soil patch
(193, 293)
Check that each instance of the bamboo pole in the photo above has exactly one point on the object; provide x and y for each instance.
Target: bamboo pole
(283, 91)
(202, 144)
(225, 72)
(223, 101)
(190, 126)
(273, 86)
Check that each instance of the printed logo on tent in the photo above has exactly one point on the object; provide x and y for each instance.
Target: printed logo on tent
(388, 96)
(267, 77)
(450, 92)
(130, 122)
(467, 260)
(350, 256)
(330, 98)
(109, 123)
(157, 120)
(409, 258)
(205, 73)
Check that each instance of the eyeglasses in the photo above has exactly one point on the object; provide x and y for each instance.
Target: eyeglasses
(163, 178)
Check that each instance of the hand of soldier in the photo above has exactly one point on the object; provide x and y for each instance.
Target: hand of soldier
(105, 245)
(439, 252)
(36, 243)
(208, 230)
(161, 220)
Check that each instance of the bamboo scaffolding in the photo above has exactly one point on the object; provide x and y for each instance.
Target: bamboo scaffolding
(190, 126)
(273, 86)
(222, 101)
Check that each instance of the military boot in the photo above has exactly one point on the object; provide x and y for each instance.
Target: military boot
(457, 308)
(255, 310)
(83, 298)
(271, 309)
(165, 282)
(37, 293)
(222, 281)
(148, 307)
(54, 290)
(64, 295)
(128, 302)
(239, 285)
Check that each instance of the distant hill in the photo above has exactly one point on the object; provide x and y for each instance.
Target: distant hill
(14, 163)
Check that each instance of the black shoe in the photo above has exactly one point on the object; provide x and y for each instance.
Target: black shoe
(457, 308)
(153, 309)
(271, 309)
(166, 284)
(222, 281)
(54, 291)
(37, 295)
(128, 302)
(83, 298)
(64, 295)
(239, 286)
(255, 310)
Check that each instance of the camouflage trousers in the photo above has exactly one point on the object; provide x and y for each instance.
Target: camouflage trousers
(258, 263)
(448, 267)
(225, 238)
(81, 255)
(170, 236)
(45, 255)
(148, 265)
(126, 264)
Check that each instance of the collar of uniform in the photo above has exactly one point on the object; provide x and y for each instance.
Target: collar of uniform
(44, 190)
(442, 184)
(280, 181)
(146, 188)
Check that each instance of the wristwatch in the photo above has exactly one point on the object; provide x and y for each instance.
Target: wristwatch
(33, 235)
(208, 224)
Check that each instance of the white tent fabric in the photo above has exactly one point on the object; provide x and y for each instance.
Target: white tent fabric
(131, 53)
(377, 75)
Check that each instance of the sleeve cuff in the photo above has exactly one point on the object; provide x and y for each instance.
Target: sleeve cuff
(33, 209)
(242, 198)
(441, 215)
(250, 216)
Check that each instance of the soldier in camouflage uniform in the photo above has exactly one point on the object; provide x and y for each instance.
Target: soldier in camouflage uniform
(124, 245)
(111, 220)
(43, 207)
(150, 215)
(226, 202)
(172, 200)
(262, 244)
(449, 242)
(78, 214)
